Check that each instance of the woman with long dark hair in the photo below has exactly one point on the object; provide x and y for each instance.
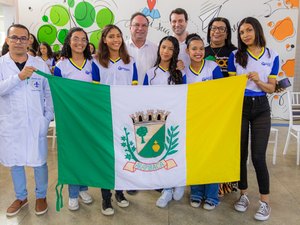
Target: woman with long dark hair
(261, 66)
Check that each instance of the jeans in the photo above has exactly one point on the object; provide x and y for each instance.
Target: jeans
(19, 181)
(207, 192)
(256, 116)
(106, 193)
(75, 189)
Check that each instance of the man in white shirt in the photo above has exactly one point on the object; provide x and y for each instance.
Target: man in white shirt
(179, 21)
(142, 50)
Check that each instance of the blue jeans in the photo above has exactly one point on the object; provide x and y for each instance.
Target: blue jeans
(207, 192)
(19, 181)
(74, 190)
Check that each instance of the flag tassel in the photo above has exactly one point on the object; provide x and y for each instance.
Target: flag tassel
(59, 197)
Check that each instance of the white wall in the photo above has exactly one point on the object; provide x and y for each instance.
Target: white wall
(7, 17)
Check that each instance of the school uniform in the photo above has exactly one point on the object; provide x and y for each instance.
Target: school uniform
(159, 76)
(117, 73)
(256, 114)
(209, 70)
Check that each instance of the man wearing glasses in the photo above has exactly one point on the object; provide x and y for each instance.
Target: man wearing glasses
(142, 50)
(25, 113)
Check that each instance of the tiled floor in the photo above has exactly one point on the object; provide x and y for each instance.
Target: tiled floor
(285, 200)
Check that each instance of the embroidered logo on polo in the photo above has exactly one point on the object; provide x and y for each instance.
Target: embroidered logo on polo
(36, 84)
(266, 64)
(153, 147)
(123, 68)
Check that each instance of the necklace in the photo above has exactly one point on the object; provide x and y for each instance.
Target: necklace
(216, 53)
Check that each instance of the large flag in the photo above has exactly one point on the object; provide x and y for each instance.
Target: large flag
(148, 137)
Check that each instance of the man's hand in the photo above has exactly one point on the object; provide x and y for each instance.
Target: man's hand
(26, 72)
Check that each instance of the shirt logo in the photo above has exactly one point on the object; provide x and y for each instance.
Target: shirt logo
(206, 78)
(35, 85)
(123, 68)
(266, 64)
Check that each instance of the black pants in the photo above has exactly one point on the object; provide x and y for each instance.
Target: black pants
(256, 114)
(106, 193)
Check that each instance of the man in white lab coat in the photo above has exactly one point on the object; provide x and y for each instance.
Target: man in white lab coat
(26, 110)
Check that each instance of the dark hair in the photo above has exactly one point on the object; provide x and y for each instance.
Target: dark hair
(56, 55)
(17, 26)
(241, 54)
(32, 51)
(94, 51)
(228, 42)
(192, 37)
(35, 44)
(49, 50)
(103, 51)
(138, 14)
(66, 49)
(5, 48)
(179, 11)
(175, 75)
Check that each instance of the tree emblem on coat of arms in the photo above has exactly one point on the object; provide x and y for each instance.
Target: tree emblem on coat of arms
(153, 146)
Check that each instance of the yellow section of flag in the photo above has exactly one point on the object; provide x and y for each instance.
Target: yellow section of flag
(215, 136)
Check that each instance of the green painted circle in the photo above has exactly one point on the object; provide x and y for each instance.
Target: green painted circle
(59, 15)
(62, 34)
(47, 33)
(104, 17)
(45, 18)
(71, 3)
(84, 14)
(56, 48)
(95, 38)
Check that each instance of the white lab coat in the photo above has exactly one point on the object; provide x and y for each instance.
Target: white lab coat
(26, 110)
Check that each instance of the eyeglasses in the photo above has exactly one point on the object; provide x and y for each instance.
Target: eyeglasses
(14, 39)
(137, 25)
(220, 29)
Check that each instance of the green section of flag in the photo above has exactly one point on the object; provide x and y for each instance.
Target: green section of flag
(155, 145)
(85, 134)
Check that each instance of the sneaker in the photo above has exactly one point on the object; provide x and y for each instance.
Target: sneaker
(178, 193)
(41, 206)
(263, 212)
(107, 208)
(121, 200)
(73, 204)
(86, 198)
(132, 192)
(209, 205)
(195, 203)
(242, 204)
(16, 206)
(164, 199)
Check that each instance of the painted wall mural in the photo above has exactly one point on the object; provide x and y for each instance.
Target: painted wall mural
(50, 21)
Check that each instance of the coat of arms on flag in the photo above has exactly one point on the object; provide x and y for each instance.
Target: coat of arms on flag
(152, 144)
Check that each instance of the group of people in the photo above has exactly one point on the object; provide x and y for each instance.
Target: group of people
(26, 107)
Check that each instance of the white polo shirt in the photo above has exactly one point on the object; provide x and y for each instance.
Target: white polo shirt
(266, 65)
(67, 69)
(144, 57)
(209, 70)
(117, 73)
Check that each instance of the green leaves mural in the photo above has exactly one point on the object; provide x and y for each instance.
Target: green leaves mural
(59, 18)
